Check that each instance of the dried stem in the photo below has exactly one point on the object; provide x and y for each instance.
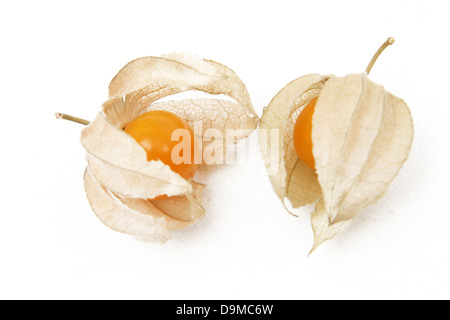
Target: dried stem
(71, 118)
(388, 42)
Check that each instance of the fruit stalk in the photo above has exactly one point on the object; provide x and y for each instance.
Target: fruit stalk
(71, 118)
(388, 42)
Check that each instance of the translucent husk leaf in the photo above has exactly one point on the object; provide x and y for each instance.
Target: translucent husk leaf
(289, 176)
(184, 208)
(323, 230)
(138, 86)
(361, 137)
(137, 217)
(118, 162)
(120, 217)
(119, 180)
(182, 71)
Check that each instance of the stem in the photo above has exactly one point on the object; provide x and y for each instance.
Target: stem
(71, 118)
(388, 42)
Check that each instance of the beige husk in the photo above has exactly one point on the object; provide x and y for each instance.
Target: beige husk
(292, 178)
(361, 137)
(119, 180)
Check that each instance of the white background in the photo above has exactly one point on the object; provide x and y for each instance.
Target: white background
(60, 56)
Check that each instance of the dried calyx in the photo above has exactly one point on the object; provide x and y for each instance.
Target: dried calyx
(144, 198)
(361, 136)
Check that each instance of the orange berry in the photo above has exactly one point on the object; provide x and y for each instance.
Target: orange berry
(153, 131)
(302, 134)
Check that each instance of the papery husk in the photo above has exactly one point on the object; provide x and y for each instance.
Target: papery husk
(119, 188)
(119, 180)
(140, 217)
(291, 178)
(120, 164)
(361, 137)
(138, 86)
